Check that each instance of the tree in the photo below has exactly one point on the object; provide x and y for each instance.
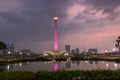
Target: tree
(118, 43)
(2, 45)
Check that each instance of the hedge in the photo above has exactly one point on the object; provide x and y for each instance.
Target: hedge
(62, 75)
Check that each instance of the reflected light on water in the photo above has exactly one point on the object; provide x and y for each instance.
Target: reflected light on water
(28, 62)
(86, 62)
(15, 64)
(103, 62)
(8, 67)
(93, 63)
(55, 67)
(107, 66)
(20, 64)
(115, 65)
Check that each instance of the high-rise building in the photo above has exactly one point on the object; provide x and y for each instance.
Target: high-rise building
(67, 48)
(73, 51)
(10, 48)
(77, 51)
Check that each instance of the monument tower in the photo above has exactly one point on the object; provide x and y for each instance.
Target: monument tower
(55, 34)
(56, 53)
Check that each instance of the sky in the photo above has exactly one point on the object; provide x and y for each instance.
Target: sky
(82, 24)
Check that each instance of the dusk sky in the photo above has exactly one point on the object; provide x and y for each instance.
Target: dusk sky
(82, 23)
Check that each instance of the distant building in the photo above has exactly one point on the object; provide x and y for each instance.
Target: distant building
(67, 48)
(77, 51)
(92, 51)
(73, 51)
(26, 51)
(10, 48)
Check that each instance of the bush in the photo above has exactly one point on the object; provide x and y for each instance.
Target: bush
(84, 75)
(62, 75)
(18, 75)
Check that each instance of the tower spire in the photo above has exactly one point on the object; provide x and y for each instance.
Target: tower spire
(55, 34)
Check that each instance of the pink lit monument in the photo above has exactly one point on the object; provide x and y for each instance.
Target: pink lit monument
(55, 34)
(56, 53)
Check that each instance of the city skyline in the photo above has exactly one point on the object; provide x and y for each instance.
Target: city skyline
(82, 23)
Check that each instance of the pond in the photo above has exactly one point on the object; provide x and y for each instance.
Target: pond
(54, 66)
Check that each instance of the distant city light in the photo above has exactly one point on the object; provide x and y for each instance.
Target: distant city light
(21, 53)
(9, 52)
(20, 64)
(28, 54)
(114, 49)
(45, 54)
(68, 59)
(66, 54)
(106, 51)
(55, 18)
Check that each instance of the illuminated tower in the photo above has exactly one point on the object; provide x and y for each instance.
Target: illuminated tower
(55, 34)
(56, 53)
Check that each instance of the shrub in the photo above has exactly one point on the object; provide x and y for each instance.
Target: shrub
(62, 75)
(21, 75)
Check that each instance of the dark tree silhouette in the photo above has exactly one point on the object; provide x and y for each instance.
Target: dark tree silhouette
(2, 45)
(118, 43)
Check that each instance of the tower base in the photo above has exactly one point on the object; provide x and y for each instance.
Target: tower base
(56, 54)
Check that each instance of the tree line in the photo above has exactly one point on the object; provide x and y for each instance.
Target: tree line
(2, 45)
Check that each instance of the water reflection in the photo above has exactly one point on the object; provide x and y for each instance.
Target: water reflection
(55, 66)
(20, 64)
(8, 68)
(93, 62)
(15, 64)
(115, 65)
(107, 65)
(68, 64)
(75, 62)
(78, 62)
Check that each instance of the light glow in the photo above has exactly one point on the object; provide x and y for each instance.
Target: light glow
(9, 52)
(20, 64)
(8, 66)
(55, 18)
(114, 49)
(21, 53)
(115, 65)
(107, 66)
